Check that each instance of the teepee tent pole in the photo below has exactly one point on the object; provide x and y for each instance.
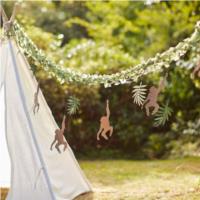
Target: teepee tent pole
(7, 23)
(3, 14)
(12, 18)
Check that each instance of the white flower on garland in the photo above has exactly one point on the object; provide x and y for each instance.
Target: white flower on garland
(162, 116)
(149, 2)
(139, 94)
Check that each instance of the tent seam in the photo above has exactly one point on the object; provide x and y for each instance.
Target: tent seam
(30, 124)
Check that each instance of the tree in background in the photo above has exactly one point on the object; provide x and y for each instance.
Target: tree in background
(106, 37)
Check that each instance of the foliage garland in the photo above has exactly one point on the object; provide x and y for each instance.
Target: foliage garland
(132, 74)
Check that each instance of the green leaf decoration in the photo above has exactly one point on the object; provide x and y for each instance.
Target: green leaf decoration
(139, 94)
(73, 104)
(131, 73)
(162, 116)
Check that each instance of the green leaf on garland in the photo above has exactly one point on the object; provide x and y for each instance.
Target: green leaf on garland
(73, 104)
(162, 116)
(139, 94)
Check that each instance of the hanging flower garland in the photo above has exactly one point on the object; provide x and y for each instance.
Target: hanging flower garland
(132, 74)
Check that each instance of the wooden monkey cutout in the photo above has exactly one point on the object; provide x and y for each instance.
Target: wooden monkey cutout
(59, 137)
(105, 124)
(36, 105)
(196, 71)
(152, 97)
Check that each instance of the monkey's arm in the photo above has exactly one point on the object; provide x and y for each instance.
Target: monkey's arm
(38, 88)
(107, 109)
(63, 124)
(53, 144)
(161, 85)
(198, 66)
(196, 69)
(145, 101)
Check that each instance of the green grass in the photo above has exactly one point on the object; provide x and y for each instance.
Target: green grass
(143, 180)
(148, 180)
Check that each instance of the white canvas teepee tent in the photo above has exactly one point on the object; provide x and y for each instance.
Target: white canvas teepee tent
(36, 172)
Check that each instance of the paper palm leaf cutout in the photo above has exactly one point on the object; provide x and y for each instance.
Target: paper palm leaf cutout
(73, 104)
(162, 116)
(139, 94)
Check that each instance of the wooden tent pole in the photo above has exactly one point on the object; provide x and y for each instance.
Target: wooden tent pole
(4, 16)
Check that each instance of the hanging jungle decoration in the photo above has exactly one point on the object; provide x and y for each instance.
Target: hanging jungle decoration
(152, 97)
(196, 71)
(163, 114)
(105, 126)
(59, 137)
(36, 105)
(73, 104)
(139, 94)
(159, 63)
(72, 107)
(66, 75)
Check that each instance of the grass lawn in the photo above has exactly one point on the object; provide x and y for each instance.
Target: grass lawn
(148, 180)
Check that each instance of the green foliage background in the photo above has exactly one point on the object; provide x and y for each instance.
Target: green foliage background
(106, 37)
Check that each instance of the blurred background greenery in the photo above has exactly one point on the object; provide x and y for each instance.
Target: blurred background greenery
(106, 37)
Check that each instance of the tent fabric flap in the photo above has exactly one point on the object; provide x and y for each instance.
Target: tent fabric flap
(36, 171)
